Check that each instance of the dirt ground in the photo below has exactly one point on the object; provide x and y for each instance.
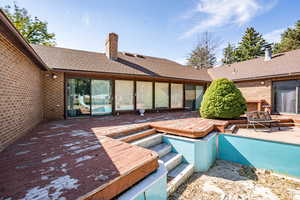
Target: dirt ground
(230, 181)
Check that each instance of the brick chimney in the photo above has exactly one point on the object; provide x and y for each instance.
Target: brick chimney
(111, 46)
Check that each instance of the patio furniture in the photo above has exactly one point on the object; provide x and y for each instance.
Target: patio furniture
(261, 118)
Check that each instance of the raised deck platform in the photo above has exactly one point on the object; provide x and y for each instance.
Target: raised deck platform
(71, 164)
(190, 127)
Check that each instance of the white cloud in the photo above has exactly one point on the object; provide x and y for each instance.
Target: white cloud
(274, 36)
(224, 12)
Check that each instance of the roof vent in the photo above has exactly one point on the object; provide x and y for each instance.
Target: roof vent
(139, 56)
(128, 54)
(268, 52)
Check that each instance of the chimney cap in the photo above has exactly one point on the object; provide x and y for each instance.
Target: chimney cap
(268, 46)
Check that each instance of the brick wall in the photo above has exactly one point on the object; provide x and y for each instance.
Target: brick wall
(53, 96)
(21, 98)
(255, 90)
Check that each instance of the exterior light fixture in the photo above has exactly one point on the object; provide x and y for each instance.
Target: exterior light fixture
(262, 82)
(54, 76)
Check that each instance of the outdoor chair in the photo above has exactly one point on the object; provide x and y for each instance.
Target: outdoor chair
(261, 118)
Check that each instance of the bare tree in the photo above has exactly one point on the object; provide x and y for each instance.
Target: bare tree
(203, 55)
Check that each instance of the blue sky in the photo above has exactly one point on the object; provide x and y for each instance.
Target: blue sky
(167, 28)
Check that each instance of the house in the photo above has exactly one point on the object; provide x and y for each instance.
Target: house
(275, 80)
(43, 83)
(83, 83)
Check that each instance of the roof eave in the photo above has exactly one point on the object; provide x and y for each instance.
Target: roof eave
(139, 75)
(8, 30)
(267, 77)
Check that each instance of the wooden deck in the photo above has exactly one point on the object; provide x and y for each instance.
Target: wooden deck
(190, 127)
(78, 158)
(71, 164)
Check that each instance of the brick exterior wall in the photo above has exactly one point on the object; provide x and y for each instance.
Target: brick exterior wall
(255, 91)
(53, 96)
(21, 97)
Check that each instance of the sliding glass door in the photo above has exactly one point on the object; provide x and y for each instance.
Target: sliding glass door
(87, 97)
(124, 92)
(286, 96)
(161, 95)
(78, 97)
(144, 95)
(101, 97)
(193, 96)
(199, 96)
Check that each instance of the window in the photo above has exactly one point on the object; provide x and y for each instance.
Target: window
(161, 95)
(124, 95)
(176, 95)
(286, 96)
(144, 95)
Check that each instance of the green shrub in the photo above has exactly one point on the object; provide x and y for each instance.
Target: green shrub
(223, 100)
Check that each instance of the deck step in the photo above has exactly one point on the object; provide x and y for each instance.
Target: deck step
(161, 149)
(136, 135)
(172, 160)
(149, 141)
(128, 131)
(179, 175)
(288, 124)
(231, 128)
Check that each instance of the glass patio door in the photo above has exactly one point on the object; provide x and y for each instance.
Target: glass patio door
(199, 96)
(286, 97)
(101, 97)
(193, 96)
(78, 97)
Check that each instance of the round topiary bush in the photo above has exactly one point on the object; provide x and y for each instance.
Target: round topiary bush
(222, 99)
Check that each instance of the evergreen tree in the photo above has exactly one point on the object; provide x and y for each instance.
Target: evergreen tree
(251, 45)
(290, 39)
(203, 56)
(229, 54)
(33, 29)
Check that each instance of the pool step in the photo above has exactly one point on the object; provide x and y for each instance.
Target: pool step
(136, 135)
(161, 149)
(148, 141)
(171, 160)
(178, 176)
(178, 170)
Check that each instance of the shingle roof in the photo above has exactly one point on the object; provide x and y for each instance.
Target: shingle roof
(284, 64)
(69, 59)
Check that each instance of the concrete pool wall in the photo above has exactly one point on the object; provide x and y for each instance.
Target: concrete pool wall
(200, 152)
(276, 156)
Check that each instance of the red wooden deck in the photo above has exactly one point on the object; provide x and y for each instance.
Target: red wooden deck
(75, 158)
(62, 160)
(194, 127)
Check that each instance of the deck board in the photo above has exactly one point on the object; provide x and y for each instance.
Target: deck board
(79, 164)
